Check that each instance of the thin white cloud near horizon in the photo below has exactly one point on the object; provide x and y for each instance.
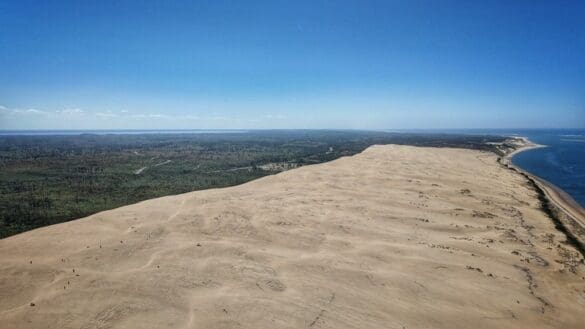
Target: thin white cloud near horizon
(324, 112)
(76, 118)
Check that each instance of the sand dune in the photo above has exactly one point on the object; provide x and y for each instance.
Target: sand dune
(395, 237)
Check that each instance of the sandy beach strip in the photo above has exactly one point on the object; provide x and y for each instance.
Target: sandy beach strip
(569, 212)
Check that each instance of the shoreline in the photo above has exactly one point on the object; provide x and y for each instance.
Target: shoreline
(453, 235)
(568, 214)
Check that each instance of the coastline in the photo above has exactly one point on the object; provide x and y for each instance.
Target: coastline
(450, 233)
(567, 213)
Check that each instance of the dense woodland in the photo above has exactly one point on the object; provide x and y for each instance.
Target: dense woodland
(51, 179)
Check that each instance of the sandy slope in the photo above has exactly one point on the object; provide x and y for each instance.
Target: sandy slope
(395, 237)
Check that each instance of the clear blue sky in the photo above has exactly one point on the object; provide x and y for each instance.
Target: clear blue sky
(292, 64)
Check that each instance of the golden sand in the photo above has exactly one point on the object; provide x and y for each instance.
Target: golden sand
(394, 237)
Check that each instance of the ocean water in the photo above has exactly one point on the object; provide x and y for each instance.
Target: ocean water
(561, 162)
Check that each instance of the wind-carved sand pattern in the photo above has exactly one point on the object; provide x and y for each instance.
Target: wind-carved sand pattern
(394, 237)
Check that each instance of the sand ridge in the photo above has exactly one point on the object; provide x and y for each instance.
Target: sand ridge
(394, 237)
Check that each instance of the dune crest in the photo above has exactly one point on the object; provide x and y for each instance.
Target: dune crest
(394, 237)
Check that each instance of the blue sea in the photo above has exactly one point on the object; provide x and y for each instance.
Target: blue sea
(562, 162)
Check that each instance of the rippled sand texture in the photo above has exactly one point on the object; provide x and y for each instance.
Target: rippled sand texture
(395, 237)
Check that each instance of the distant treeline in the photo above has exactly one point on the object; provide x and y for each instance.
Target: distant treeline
(46, 180)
